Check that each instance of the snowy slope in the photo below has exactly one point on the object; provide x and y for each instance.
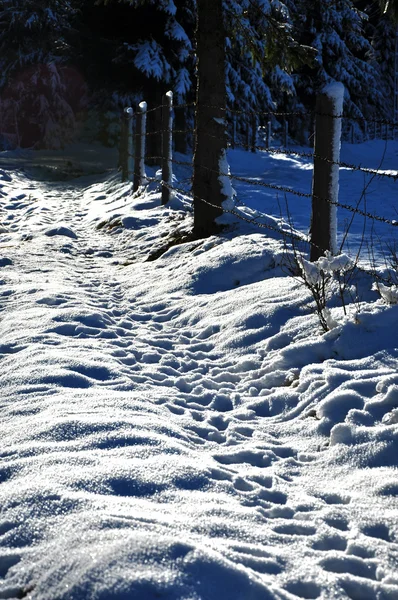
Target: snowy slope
(179, 427)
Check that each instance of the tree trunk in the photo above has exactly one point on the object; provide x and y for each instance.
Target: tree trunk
(210, 124)
(154, 127)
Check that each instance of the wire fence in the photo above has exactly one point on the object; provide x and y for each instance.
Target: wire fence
(241, 211)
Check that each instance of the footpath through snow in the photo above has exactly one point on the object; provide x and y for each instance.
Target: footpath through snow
(179, 427)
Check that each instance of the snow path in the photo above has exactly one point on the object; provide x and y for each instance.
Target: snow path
(178, 428)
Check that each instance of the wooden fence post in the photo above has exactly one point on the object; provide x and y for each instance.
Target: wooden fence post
(139, 152)
(125, 148)
(130, 144)
(325, 182)
(233, 132)
(268, 132)
(285, 133)
(254, 132)
(248, 144)
(167, 146)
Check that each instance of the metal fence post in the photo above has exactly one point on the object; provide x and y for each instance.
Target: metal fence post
(139, 153)
(167, 146)
(325, 182)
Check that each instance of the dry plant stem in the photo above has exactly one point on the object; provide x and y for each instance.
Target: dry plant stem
(317, 290)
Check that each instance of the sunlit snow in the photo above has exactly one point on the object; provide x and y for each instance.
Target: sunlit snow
(174, 422)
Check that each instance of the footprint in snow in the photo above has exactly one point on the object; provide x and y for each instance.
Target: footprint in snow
(378, 530)
(304, 589)
(337, 522)
(7, 561)
(330, 542)
(349, 564)
(61, 230)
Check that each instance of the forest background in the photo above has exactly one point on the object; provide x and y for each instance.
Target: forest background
(69, 67)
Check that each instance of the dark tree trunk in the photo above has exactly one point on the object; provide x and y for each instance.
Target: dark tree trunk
(210, 122)
(154, 126)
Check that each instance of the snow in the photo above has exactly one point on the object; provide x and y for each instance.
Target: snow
(335, 91)
(174, 422)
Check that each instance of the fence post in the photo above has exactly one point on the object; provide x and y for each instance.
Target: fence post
(254, 132)
(167, 145)
(125, 148)
(268, 132)
(325, 181)
(233, 131)
(248, 145)
(139, 152)
(130, 143)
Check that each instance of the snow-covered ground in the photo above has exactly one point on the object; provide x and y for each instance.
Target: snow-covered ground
(180, 427)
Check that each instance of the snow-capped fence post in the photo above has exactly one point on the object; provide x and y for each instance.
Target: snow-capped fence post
(126, 143)
(233, 131)
(285, 133)
(139, 152)
(248, 132)
(254, 132)
(268, 132)
(167, 146)
(325, 181)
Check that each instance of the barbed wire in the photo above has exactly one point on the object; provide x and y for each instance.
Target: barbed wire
(291, 152)
(288, 152)
(252, 221)
(271, 150)
(274, 113)
(287, 190)
(168, 130)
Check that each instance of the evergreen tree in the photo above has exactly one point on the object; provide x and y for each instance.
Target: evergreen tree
(335, 29)
(147, 49)
(389, 8)
(39, 93)
(261, 52)
(382, 33)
